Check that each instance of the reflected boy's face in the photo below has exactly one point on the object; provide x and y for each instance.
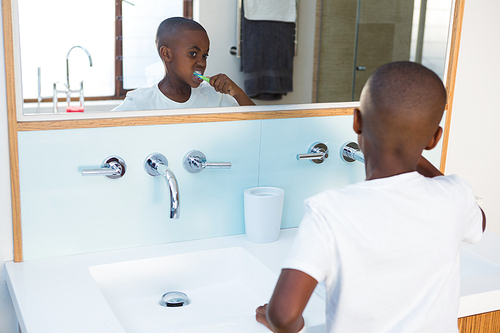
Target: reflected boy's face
(189, 55)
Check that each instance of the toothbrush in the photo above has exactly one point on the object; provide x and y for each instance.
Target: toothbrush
(202, 77)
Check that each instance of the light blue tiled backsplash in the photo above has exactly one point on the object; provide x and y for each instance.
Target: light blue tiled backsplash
(64, 213)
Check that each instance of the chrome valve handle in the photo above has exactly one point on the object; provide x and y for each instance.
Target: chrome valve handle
(112, 167)
(195, 161)
(317, 153)
(350, 152)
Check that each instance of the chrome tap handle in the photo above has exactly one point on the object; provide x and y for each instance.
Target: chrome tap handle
(54, 98)
(195, 161)
(217, 165)
(82, 100)
(157, 165)
(310, 156)
(100, 172)
(39, 96)
(317, 153)
(112, 167)
(350, 152)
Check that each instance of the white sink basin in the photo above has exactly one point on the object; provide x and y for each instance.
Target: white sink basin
(224, 287)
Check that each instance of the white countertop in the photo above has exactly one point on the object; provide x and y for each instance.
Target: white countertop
(60, 295)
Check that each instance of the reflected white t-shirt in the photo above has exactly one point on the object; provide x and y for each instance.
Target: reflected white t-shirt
(152, 98)
(388, 251)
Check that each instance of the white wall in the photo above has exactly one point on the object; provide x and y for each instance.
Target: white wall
(475, 135)
(8, 323)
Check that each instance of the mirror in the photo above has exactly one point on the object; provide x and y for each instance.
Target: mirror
(339, 44)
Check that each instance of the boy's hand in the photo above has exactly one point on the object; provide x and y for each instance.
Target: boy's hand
(223, 84)
(260, 315)
(283, 313)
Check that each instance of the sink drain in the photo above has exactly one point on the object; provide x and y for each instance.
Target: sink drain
(174, 299)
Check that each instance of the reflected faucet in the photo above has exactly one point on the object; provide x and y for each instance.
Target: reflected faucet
(68, 90)
(157, 165)
(67, 62)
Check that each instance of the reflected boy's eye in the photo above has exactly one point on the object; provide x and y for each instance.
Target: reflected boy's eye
(192, 54)
(205, 56)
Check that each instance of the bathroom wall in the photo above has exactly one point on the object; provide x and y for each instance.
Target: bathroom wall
(474, 137)
(65, 213)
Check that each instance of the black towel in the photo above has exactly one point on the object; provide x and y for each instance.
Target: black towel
(267, 49)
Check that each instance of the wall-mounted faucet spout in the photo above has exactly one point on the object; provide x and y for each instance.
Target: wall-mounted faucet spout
(157, 165)
(67, 62)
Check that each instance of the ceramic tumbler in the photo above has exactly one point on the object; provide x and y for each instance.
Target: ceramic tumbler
(263, 207)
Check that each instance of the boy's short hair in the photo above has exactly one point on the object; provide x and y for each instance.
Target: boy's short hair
(403, 79)
(404, 98)
(172, 26)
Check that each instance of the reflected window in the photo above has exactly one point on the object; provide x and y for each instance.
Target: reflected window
(119, 35)
(142, 66)
(429, 37)
(48, 29)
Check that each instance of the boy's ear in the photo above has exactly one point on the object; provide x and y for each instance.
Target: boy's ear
(166, 53)
(435, 139)
(356, 124)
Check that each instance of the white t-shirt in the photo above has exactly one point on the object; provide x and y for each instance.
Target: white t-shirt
(152, 98)
(388, 251)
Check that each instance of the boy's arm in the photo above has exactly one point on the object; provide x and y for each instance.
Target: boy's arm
(290, 297)
(223, 84)
(426, 169)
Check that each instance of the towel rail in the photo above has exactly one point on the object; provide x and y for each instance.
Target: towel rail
(239, 32)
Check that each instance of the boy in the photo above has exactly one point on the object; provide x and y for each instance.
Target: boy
(183, 46)
(387, 248)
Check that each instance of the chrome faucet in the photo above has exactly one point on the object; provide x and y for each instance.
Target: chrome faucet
(157, 165)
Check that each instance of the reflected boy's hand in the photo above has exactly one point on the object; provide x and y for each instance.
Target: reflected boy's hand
(223, 84)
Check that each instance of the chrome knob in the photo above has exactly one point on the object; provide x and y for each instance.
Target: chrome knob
(195, 161)
(112, 167)
(317, 153)
(350, 152)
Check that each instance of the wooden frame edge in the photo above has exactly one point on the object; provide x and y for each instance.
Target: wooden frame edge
(194, 118)
(12, 130)
(456, 34)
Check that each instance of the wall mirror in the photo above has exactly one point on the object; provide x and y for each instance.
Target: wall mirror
(316, 52)
(339, 44)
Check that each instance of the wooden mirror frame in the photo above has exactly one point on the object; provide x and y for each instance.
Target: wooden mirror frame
(15, 126)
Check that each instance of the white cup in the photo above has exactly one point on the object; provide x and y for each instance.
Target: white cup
(263, 207)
